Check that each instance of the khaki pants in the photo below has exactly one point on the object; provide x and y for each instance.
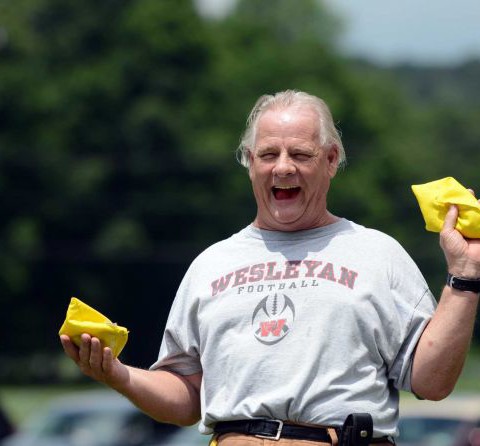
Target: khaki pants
(250, 440)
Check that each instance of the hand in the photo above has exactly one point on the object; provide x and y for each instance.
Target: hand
(462, 255)
(96, 362)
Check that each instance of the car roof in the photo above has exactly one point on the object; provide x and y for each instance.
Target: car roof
(457, 406)
(92, 400)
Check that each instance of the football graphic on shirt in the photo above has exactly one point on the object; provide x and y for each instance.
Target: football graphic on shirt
(273, 318)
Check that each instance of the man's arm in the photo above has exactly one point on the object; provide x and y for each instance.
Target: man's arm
(165, 396)
(443, 346)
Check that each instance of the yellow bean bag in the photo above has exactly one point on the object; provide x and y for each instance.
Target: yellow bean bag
(82, 318)
(435, 198)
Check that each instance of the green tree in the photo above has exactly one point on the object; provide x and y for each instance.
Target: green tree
(95, 101)
(118, 127)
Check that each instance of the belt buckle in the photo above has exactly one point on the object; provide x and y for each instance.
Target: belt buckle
(277, 435)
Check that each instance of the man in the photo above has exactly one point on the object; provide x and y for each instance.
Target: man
(302, 317)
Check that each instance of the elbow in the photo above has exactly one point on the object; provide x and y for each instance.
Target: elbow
(433, 383)
(180, 420)
(436, 393)
(435, 396)
(186, 417)
(188, 420)
(187, 423)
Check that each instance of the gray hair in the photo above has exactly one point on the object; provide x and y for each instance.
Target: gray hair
(328, 133)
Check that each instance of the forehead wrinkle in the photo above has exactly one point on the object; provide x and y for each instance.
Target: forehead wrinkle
(283, 124)
(289, 143)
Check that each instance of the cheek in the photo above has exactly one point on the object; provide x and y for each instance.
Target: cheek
(318, 184)
(258, 173)
(253, 172)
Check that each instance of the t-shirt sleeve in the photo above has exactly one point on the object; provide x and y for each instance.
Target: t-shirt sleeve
(179, 351)
(410, 310)
(400, 369)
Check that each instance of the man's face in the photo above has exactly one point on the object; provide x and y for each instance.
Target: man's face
(290, 172)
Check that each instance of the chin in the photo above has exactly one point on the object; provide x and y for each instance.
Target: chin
(280, 221)
(285, 225)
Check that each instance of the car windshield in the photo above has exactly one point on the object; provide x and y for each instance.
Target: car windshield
(80, 427)
(427, 431)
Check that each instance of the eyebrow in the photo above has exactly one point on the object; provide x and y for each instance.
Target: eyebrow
(265, 148)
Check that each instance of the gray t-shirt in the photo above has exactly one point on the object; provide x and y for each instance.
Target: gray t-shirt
(307, 326)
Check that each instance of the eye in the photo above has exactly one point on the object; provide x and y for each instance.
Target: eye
(267, 155)
(302, 156)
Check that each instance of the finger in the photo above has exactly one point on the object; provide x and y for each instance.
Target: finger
(473, 193)
(107, 363)
(69, 347)
(85, 347)
(450, 218)
(96, 355)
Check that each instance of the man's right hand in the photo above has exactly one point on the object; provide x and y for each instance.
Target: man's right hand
(97, 362)
(165, 396)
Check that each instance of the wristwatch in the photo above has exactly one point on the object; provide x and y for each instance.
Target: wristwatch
(471, 285)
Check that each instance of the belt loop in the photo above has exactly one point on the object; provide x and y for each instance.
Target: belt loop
(333, 435)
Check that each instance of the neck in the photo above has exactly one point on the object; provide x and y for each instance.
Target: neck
(327, 219)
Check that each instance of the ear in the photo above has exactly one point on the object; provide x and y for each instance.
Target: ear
(332, 158)
(250, 162)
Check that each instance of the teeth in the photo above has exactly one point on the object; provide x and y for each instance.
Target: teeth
(285, 187)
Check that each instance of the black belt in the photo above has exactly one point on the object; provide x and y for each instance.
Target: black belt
(275, 429)
(272, 429)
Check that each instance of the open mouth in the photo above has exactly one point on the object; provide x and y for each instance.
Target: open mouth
(285, 192)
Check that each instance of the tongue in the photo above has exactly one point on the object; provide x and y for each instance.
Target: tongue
(285, 194)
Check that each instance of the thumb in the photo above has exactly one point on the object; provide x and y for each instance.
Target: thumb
(450, 218)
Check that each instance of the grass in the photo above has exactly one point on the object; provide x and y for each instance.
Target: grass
(20, 402)
(469, 380)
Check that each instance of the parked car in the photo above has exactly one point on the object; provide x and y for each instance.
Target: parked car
(454, 421)
(6, 425)
(98, 418)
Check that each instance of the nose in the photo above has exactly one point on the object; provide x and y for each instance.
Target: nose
(284, 166)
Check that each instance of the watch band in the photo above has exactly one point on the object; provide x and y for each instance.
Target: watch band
(471, 285)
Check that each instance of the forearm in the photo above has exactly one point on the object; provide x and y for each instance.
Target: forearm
(165, 396)
(443, 346)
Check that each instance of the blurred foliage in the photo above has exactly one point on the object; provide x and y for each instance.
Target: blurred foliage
(119, 122)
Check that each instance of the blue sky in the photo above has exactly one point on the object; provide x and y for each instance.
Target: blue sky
(423, 32)
(426, 32)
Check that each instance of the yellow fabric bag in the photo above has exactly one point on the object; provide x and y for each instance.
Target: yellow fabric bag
(435, 198)
(81, 318)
